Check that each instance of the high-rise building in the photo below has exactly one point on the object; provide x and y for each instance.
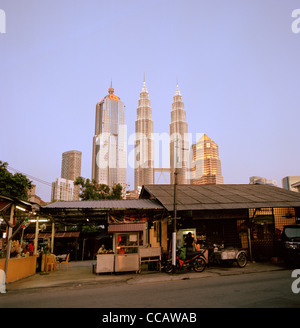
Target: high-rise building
(206, 164)
(71, 165)
(143, 147)
(179, 145)
(109, 142)
(63, 188)
(288, 181)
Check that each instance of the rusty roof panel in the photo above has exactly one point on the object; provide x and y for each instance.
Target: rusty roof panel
(218, 197)
(106, 204)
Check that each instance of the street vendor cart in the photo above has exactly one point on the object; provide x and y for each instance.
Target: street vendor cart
(228, 255)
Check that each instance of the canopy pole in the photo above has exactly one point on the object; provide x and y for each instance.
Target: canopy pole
(9, 234)
(52, 237)
(36, 236)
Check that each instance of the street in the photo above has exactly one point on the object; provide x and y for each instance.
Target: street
(255, 290)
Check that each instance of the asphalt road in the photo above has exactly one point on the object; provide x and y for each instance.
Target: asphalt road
(257, 290)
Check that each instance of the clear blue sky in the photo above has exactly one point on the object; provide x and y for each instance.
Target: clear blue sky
(237, 63)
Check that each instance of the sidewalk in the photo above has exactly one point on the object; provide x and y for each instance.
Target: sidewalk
(80, 273)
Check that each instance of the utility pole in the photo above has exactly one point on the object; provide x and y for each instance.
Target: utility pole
(174, 234)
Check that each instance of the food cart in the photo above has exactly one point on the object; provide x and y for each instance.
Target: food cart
(229, 255)
(127, 238)
(129, 249)
(126, 247)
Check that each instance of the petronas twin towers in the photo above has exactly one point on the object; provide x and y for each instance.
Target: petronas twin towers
(110, 149)
(144, 143)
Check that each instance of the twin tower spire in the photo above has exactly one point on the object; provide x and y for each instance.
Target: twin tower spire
(144, 144)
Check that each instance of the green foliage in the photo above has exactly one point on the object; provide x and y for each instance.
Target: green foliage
(13, 185)
(90, 190)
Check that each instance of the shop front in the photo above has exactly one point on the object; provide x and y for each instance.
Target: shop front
(130, 225)
(250, 217)
(16, 260)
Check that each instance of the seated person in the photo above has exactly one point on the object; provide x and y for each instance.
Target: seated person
(102, 250)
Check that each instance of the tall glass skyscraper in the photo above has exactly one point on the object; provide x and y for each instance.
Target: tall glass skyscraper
(206, 164)
(109, 142)
(179, 145)
(143, 147)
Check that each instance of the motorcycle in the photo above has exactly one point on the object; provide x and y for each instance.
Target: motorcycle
(196, 262)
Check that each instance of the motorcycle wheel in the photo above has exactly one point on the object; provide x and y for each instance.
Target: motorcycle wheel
(242, 260)
(168, 267)
(199, 265)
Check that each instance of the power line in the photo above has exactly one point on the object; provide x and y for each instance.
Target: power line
(30, 176)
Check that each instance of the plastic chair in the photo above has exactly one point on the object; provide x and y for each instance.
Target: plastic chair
(66, 261)
(51, 262)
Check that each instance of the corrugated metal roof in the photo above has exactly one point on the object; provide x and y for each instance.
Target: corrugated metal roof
(106, 204)
(219, 197)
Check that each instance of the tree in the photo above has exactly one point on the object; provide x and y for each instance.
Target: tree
(91, 190)
(13, 185)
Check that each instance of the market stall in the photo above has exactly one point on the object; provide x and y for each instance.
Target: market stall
(19, 267)
(125, 256)
(126, 251)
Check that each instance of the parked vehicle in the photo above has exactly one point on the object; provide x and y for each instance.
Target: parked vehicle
(229, 255)
(290, 244)
(196, 262)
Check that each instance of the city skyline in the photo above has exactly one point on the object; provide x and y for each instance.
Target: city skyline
(239, 80)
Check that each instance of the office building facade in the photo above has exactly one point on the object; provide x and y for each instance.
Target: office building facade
(109, 161)
(289, 183)
(63, 188)
(71, 165)
(206, 164)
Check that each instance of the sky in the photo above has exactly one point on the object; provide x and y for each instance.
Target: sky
(236, 63)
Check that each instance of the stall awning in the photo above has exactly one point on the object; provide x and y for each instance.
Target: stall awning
(126, 227)
(48, 235)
